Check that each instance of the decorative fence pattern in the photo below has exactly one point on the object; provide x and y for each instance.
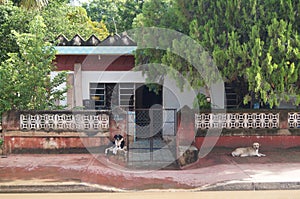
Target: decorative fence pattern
(100, 121)
(72, 122)
(294, 120)
(237, 120)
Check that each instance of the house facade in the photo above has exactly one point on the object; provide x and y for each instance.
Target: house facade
(101, 75)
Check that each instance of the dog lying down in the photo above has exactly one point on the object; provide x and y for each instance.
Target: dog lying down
(119, 145)
(248, 151)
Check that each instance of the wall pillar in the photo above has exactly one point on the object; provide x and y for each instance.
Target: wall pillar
(70, 92)
(78, 84)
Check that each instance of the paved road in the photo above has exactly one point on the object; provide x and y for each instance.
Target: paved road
(163, 195)
(20, 173)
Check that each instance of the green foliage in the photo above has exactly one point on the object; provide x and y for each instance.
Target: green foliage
(33, 4)
(11, 18)
(253, 42)
(157, 13)
(29, 4)
(117, 15)
(25, 82)
(188, 66)
(261, 50)
(26, 54)
(164, 18)
(70, 20)
(201, 102)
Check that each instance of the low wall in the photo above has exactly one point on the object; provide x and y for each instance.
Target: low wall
(58, 131)
(266, 142)
(67, 131)
(271, 128)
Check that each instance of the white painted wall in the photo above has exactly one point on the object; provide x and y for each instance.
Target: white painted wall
(173, 97)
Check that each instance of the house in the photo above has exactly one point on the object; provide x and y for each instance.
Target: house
(102, 76)
(102, 80)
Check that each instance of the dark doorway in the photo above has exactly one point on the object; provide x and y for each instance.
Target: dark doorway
(148, 110)
(145, 98)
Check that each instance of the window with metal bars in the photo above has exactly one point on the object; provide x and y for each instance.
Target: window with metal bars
(108, 95)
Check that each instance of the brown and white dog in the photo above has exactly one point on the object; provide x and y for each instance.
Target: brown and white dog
(248, 151)
(119, 145)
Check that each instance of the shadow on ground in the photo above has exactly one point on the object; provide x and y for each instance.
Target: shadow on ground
(222, 155)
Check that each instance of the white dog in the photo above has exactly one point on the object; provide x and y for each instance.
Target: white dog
(119, 145)
(248, 151)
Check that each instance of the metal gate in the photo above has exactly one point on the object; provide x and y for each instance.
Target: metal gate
(151, 138)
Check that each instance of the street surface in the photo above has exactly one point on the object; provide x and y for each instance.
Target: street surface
(218, 171)
(293, 194)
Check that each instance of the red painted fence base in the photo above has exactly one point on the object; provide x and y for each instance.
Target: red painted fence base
(267, 142)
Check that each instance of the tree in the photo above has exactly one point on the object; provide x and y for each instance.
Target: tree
(27, 54)
(254, 43)
(68, 20)
(127, 12)
(117, 15)
(71, 20)
(3, 1)
(25, 83)
(33, 4)
(165, 17)
(27, 4)
(11, 18)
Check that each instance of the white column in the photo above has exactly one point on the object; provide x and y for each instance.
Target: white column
(78, 84)
(70, 92)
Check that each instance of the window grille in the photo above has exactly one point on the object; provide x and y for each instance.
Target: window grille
(97, 94)
(107, 95)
